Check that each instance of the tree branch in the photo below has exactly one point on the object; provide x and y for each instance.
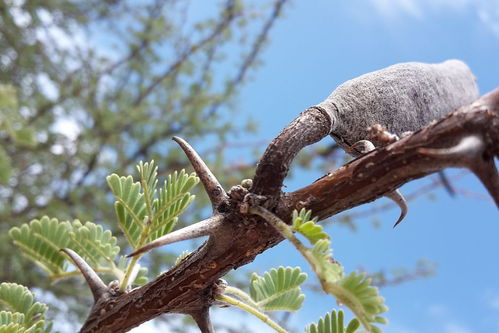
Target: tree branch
(190, 286)
(385, 169)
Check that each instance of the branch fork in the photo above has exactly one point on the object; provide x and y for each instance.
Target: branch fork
(236, 239)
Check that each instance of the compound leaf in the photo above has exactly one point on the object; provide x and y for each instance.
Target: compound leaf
(278, 289)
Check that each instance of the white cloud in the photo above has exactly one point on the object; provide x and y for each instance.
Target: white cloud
(452, 327)
(490, 18)
(494, 303)
(393, 9)
(487, 11)
(438, 310)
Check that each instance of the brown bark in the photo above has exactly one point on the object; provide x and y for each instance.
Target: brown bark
(467, 138)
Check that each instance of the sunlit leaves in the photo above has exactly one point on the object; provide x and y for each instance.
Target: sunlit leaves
(324, 264)
(352, 290)
(41, 241)
(143, 212)
(19, 311)
(278, 289)
(93, 243)
(363, 299)
(308, 227)
(333, 323)
(173, 199)
(129, 206)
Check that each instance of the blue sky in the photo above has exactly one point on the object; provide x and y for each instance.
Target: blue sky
(316, 46)
(320, 44)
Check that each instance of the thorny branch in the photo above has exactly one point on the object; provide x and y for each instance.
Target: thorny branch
(467, 138)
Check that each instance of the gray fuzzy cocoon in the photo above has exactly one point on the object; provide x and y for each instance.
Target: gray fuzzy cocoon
(403, 97)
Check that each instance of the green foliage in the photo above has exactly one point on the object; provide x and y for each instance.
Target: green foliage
(352, 290)
(308, 227)
(12, 124)
(11, 120)
(324, 264)
(101, 84)
(182, 256)
(141, 277)
(363, 299)
(5, 166)
(143, 214)
(130, 207)
(278, 289)
(333, 323)
(19, 311)
(41, 241)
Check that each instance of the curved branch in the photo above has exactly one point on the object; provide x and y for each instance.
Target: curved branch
(381, 171)
(188, 287)
(309, 127)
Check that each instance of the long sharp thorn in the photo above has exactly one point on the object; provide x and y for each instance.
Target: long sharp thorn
(215, 191)
(95, 283)
(397, 197)
(365, 146)
(199, 229)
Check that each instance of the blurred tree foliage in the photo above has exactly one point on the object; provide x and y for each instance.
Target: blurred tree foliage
(91, 87)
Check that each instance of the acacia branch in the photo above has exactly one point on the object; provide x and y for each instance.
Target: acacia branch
(190, 287)
(467, 138)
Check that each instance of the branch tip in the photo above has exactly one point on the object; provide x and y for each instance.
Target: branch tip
(215, 191)
(95, 283)
(203, 228)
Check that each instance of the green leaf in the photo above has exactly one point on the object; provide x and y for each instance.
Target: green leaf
(8, 317)
(142, 214)
(130, 207)
(13, 328)
(173, 199)
(22, 309)
(363, 299)
(278, 289)
(148, 179)
(41, 241)
(333, 323)
(324, 265)
(96, 246)
(141, 278)
(308, 227)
